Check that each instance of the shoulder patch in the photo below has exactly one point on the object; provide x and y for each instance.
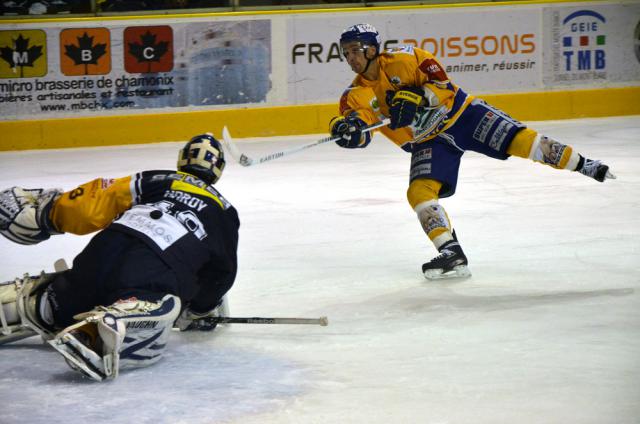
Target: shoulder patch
(404, 48)
(432, 69)
(105, 183)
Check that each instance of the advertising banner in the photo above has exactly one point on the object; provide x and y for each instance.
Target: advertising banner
(92, 68)
(591, 43)
(84, 70)
(485, 50)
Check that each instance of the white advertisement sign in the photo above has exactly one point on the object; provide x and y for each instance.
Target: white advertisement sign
(101, 67)
(591, 43)
(486, 50)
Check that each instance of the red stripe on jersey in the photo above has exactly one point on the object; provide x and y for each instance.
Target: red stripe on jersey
(344, 102)
(433, 70)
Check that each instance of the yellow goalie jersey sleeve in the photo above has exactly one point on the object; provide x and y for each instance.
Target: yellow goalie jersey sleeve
(92, 206)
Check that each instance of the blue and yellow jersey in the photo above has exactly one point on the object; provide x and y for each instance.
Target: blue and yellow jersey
(406, 66)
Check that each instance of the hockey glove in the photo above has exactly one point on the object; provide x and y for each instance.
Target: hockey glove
(194, 321)
(24, 214)
(403, 106)
(203, 321)
(349, 130)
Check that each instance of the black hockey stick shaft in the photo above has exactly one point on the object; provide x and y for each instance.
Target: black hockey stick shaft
(323, 321)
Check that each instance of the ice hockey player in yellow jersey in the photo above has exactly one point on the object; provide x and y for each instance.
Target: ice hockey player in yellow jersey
(435, 121)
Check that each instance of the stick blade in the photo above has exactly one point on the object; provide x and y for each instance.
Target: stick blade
(225, 134)
(245, 160)
(231, 147)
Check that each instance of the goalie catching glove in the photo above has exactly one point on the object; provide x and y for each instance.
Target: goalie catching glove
(349, 131)
(24, 214)
(403, 106)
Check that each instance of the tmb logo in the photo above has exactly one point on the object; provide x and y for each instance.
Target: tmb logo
(583, 41)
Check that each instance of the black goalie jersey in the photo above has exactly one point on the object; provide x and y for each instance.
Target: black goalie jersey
(188, 223)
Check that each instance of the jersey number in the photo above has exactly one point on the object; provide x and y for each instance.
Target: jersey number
(76, 193)
(192, 223)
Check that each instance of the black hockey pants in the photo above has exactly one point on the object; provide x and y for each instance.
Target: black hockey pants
(113, 266)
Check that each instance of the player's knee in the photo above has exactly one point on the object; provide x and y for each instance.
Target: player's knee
(422, 190)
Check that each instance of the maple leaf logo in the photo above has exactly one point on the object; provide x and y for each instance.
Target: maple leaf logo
(85, 53)
(148, 51)
(21, 54)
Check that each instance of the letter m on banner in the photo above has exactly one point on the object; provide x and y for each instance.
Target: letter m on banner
(148, 49)
(85, 51)
(23, 54)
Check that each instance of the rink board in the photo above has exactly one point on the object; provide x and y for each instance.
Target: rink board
(168, 77)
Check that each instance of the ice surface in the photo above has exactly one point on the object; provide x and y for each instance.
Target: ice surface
(546, 331)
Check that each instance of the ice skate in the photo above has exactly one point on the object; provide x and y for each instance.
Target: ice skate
(450, 263)
(596, 170)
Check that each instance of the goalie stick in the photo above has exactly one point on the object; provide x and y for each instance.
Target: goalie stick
(322, 321)
(245, 160)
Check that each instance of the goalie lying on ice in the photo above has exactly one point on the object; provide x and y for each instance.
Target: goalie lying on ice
(166, 255)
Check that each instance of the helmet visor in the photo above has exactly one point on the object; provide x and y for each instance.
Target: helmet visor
(351, 48)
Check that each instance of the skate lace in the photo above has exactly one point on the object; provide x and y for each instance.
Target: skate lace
(444, 253)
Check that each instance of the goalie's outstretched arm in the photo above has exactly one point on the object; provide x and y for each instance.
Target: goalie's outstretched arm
(29, 216)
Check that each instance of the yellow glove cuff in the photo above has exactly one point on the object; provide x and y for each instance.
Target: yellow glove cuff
(335, 120)
(408, 96)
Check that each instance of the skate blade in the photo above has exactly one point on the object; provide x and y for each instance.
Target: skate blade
(460, 271)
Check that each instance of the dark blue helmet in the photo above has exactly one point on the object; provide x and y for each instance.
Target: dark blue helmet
(203, 157)
(366, 34)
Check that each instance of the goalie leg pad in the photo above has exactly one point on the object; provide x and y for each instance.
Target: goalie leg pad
(130, 333)
(24, 307)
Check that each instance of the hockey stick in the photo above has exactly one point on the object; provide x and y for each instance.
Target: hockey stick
(245, 160)
(323, 321)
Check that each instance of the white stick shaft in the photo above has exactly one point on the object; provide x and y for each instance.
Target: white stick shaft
(245, 160)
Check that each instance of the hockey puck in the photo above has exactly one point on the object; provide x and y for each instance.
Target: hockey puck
(156, 214)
